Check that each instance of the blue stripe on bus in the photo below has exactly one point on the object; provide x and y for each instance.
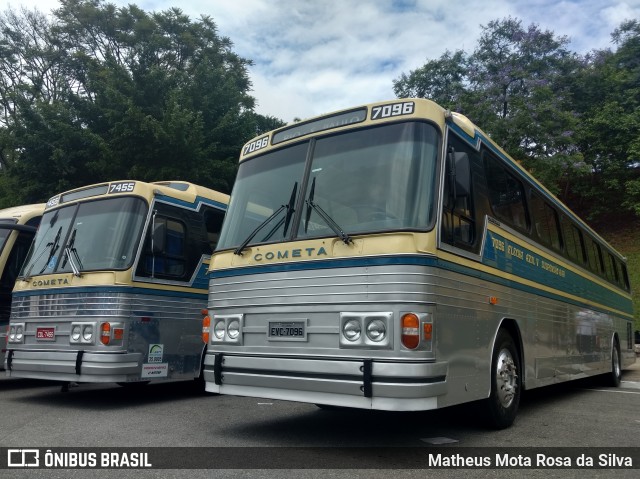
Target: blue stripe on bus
(599, 294)
(509, 257)
(192, 204)
(201, 281)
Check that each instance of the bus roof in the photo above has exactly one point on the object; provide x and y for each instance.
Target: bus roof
(191, 189)
(362, 115)
(181, 190)
(22, 213)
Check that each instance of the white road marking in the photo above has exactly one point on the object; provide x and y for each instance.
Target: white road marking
(630, 384)
(438, 440)
(613, 391)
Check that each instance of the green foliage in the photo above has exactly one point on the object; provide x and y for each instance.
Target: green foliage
(442, 80)
(100, 93)
(622, 233)
(573, 121)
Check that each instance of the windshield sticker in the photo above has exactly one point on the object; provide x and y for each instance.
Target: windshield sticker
(52, 262)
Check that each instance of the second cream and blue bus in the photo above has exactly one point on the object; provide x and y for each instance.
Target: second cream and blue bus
(114, 284)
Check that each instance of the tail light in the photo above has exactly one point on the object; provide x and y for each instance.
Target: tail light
(410, 331)
(206, 326)
(105, 333)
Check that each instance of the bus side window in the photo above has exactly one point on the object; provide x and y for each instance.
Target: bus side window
(458, 220)
(545, 220)
(506, 194)
(594, 256)
(611, 272)
(573, 241)
(213, 222)
(625, 277)
(169, 260)
(15, 260)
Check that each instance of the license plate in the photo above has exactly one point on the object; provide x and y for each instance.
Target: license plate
(287, 331)
(45, 334)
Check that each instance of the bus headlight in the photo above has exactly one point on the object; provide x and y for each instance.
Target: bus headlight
(376, 330)
(233, 329)
(227, 329)
(218, 329)
(87, 333)
(368, 330)
(16, 333)
(352, 330)
(82, 333)
(75, 333)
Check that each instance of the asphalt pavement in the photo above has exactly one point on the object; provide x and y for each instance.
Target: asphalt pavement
(632, 373)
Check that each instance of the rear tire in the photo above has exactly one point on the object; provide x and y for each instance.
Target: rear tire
(615, 376)
(501, 406)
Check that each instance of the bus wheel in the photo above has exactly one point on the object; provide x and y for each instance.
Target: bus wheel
(614, 377)
(502, 403)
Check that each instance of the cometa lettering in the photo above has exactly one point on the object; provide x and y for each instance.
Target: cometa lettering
(49, 282)
(294, 253)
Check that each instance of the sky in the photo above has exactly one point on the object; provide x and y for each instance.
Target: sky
(312, 57)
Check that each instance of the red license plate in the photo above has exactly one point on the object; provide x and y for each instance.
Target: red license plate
(46, 334)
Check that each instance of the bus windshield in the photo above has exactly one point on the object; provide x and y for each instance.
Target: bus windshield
(93, 235)
(6, 231)
(369, 180)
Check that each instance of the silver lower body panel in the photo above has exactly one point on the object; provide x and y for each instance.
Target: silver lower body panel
(77, 366)
(359, 383)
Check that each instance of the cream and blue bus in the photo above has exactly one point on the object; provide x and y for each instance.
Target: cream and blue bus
(18, 225)
(391, 256)
(114, 284)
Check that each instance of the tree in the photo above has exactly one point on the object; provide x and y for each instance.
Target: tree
(442, 80)
(607, 96)
(100, 93)
(513, 86)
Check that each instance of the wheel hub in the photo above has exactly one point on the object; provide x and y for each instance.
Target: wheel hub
(506, 378)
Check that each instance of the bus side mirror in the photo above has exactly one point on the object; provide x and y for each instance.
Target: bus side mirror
(463, 175)
(158, 238)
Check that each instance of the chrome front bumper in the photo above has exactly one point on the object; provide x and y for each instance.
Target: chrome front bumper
(77, 366)
(359, 383)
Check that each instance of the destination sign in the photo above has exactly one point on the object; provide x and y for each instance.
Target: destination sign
(322, 124)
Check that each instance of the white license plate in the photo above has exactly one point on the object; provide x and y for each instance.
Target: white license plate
(287, 331)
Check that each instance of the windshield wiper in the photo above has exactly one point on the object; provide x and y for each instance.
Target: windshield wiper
(286, 220)
(71, 253)
(346, 239)
(54, 247)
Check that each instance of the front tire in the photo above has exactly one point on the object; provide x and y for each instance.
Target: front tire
(506, 383)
